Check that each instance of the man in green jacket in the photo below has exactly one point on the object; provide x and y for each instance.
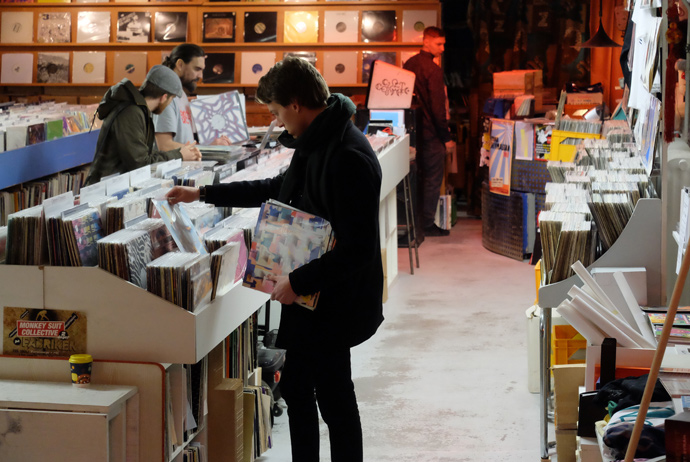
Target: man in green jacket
(126, 140)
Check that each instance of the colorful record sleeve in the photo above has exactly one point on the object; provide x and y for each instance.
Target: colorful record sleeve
(379, 26)
(219, 27)
(301, 27)
(260, 26)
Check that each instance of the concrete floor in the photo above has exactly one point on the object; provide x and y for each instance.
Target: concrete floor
(445, 378)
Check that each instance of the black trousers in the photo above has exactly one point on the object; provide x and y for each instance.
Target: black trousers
(431, 157)
(322, 374)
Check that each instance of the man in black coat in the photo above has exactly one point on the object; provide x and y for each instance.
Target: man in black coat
(433, 137)
(334, 174)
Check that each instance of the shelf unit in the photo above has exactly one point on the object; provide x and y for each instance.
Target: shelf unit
(195, 10)
(639, 245)
(43, 159)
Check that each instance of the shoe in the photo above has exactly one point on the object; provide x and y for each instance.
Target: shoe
(434, 230)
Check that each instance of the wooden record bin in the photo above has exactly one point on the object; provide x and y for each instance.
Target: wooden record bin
(195, 10)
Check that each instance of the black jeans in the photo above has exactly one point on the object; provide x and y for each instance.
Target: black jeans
(322, 374)
(431, 158)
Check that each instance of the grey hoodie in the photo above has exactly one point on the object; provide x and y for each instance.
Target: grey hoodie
(129, 142)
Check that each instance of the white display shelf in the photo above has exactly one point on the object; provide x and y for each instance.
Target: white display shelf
(125, 322)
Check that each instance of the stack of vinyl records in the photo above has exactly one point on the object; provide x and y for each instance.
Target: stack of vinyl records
(26, 238)
(224, 267)
(558, 169)
(3, 243)
(262, 419)
(126, 209)
(204, 216)
(575, 243)
(182, 278)
(75, 241)
(611, 213)
(126, 253)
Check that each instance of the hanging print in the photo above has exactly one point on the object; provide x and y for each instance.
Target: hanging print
(501, 156)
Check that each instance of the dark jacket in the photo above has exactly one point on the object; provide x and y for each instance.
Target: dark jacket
(334, 174)
(430, 94)
(127, 135)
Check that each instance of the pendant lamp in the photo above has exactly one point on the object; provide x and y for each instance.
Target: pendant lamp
(600, 39)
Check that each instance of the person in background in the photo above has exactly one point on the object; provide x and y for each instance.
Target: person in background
(126, 139)
(175, 126)
(433, 138)
(331, 155)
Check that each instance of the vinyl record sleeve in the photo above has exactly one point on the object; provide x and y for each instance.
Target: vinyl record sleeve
(391, 87)
(260, 26)
(134, 26)
(301, 27)
(54, 28)
(130, 65)
(52, 68)
(17, 27)
(170, 26)
(88, 67)
(219, 115)
(219, 27)
(17, 68)
(309, 56)
(340, 26)
(340, 67)
(93, 27)
(379, 26)
(255, 65)
(368, 57)
(414, 23)
(220, 68)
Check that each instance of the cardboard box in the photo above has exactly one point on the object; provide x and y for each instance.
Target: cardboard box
(248, 425)
(567, 378)
(513, 82)
(677, 430)
(592, 99)
(226, 421)
(566, 444)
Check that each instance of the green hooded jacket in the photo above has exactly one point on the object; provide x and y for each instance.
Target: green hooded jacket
(127, 136)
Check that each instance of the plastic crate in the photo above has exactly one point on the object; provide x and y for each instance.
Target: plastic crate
(566, 152)
(566, 341)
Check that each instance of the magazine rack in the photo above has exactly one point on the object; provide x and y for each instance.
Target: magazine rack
(639, 245)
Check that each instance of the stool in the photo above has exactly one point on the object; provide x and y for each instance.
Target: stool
(409, 223)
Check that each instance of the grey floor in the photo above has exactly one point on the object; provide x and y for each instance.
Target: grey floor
(445, 378)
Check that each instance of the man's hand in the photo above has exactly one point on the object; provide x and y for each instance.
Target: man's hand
(190, 152)
(222, 141)
(182, 194)
(450, 147)
(282, 291)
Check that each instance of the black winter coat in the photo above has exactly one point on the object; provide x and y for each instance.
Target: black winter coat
(334, 174)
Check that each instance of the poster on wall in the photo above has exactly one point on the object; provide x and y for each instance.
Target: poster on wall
(501, 154)
(524, 141)
(43, 332)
